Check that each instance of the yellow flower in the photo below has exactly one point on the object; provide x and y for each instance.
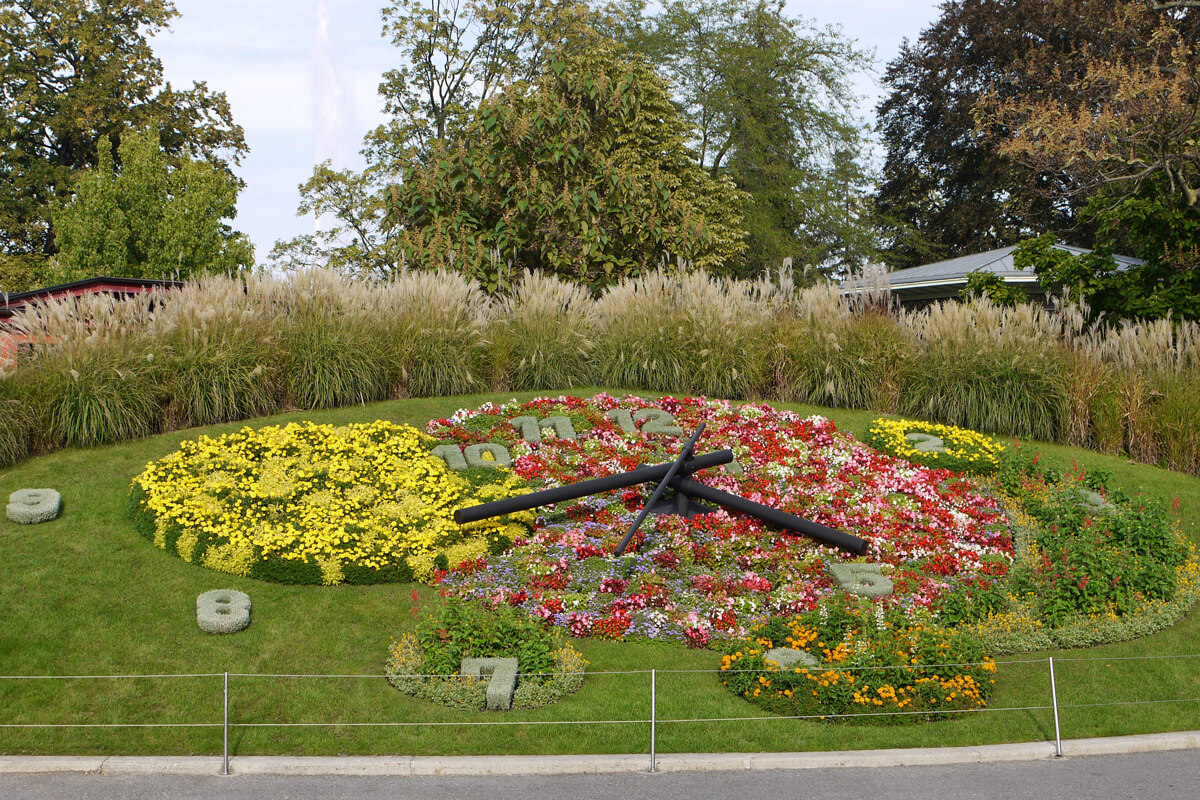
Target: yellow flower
(369, 495)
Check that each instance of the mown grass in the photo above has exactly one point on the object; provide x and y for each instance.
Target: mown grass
(85, 595)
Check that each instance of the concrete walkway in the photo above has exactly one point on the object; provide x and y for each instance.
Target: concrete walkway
(595, 764)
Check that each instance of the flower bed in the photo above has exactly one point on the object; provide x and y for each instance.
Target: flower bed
(870, 662)
(720, 574)
(934, 445)
(1024, 556)
(308, 503)
(426, 663)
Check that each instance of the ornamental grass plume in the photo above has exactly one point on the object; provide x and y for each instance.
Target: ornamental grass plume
(541, 335)
(840, 350)
(988, 367)
(94, 375)
(335, 351)
(15, 419)
(1157, 395)
(221, 350)
(434, 329)
(684, 332)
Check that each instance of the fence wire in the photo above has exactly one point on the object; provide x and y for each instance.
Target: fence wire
(652, 721)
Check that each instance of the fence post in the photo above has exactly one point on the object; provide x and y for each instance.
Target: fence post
(653, 715)
(225, 767)
(1054, 701)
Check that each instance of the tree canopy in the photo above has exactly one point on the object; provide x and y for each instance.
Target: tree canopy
(947, 187)
(520, 136)
(771, 101)
(71, 73)
(585, 172)
(152, 219)
(1121, 129)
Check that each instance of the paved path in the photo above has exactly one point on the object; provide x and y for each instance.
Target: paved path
(1166, 774)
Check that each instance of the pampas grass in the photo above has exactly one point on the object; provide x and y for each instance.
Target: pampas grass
(335, 353)
(104, 369)
(222, 352)
(540, 336)
(683, 332)
(15, 418)
(987, 367)
(94, 378)
(433, 323)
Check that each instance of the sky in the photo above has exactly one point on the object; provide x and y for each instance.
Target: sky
(302, 78)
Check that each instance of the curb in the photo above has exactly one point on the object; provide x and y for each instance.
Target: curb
(414, 766)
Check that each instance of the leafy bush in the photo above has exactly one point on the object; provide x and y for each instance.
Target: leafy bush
(426, 663)
(1089, 555)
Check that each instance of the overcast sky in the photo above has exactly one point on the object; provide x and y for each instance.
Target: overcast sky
(301, 77)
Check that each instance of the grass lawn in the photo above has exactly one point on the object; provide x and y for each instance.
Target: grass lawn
(85, 595)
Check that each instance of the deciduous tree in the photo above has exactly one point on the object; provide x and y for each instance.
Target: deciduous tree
(770, 97)
(585, 173)
(71, 73)
(151, 218)
(947, 185)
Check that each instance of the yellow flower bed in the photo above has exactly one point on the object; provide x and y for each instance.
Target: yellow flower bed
(308, 503)
(965, 450)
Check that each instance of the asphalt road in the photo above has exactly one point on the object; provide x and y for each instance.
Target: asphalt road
(1173, 774)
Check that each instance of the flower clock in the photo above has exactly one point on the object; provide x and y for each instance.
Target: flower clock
(308, 503)
(717, 574)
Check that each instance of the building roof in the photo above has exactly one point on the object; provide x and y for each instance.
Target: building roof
(10, 303)
(946, 278)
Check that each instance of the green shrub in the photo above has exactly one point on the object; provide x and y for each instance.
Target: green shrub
(464, 630)
(1090, 556)
(426, 663)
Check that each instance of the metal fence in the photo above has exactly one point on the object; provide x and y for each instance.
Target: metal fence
(653, 720)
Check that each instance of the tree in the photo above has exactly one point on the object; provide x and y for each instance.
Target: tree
(981, 283)
(1128, 117)
(457, 54)
(947, 186)
(1121, 129)
(71, 73)
(355, 241)
(585, 173)
(771, 102)
(150, 219)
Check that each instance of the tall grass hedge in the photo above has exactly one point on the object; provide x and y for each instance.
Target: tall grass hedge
(104, 370)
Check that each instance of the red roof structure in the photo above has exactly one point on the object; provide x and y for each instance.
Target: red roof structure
(10, 341)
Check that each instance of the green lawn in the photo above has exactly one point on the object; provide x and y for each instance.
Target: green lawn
(85, 595)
